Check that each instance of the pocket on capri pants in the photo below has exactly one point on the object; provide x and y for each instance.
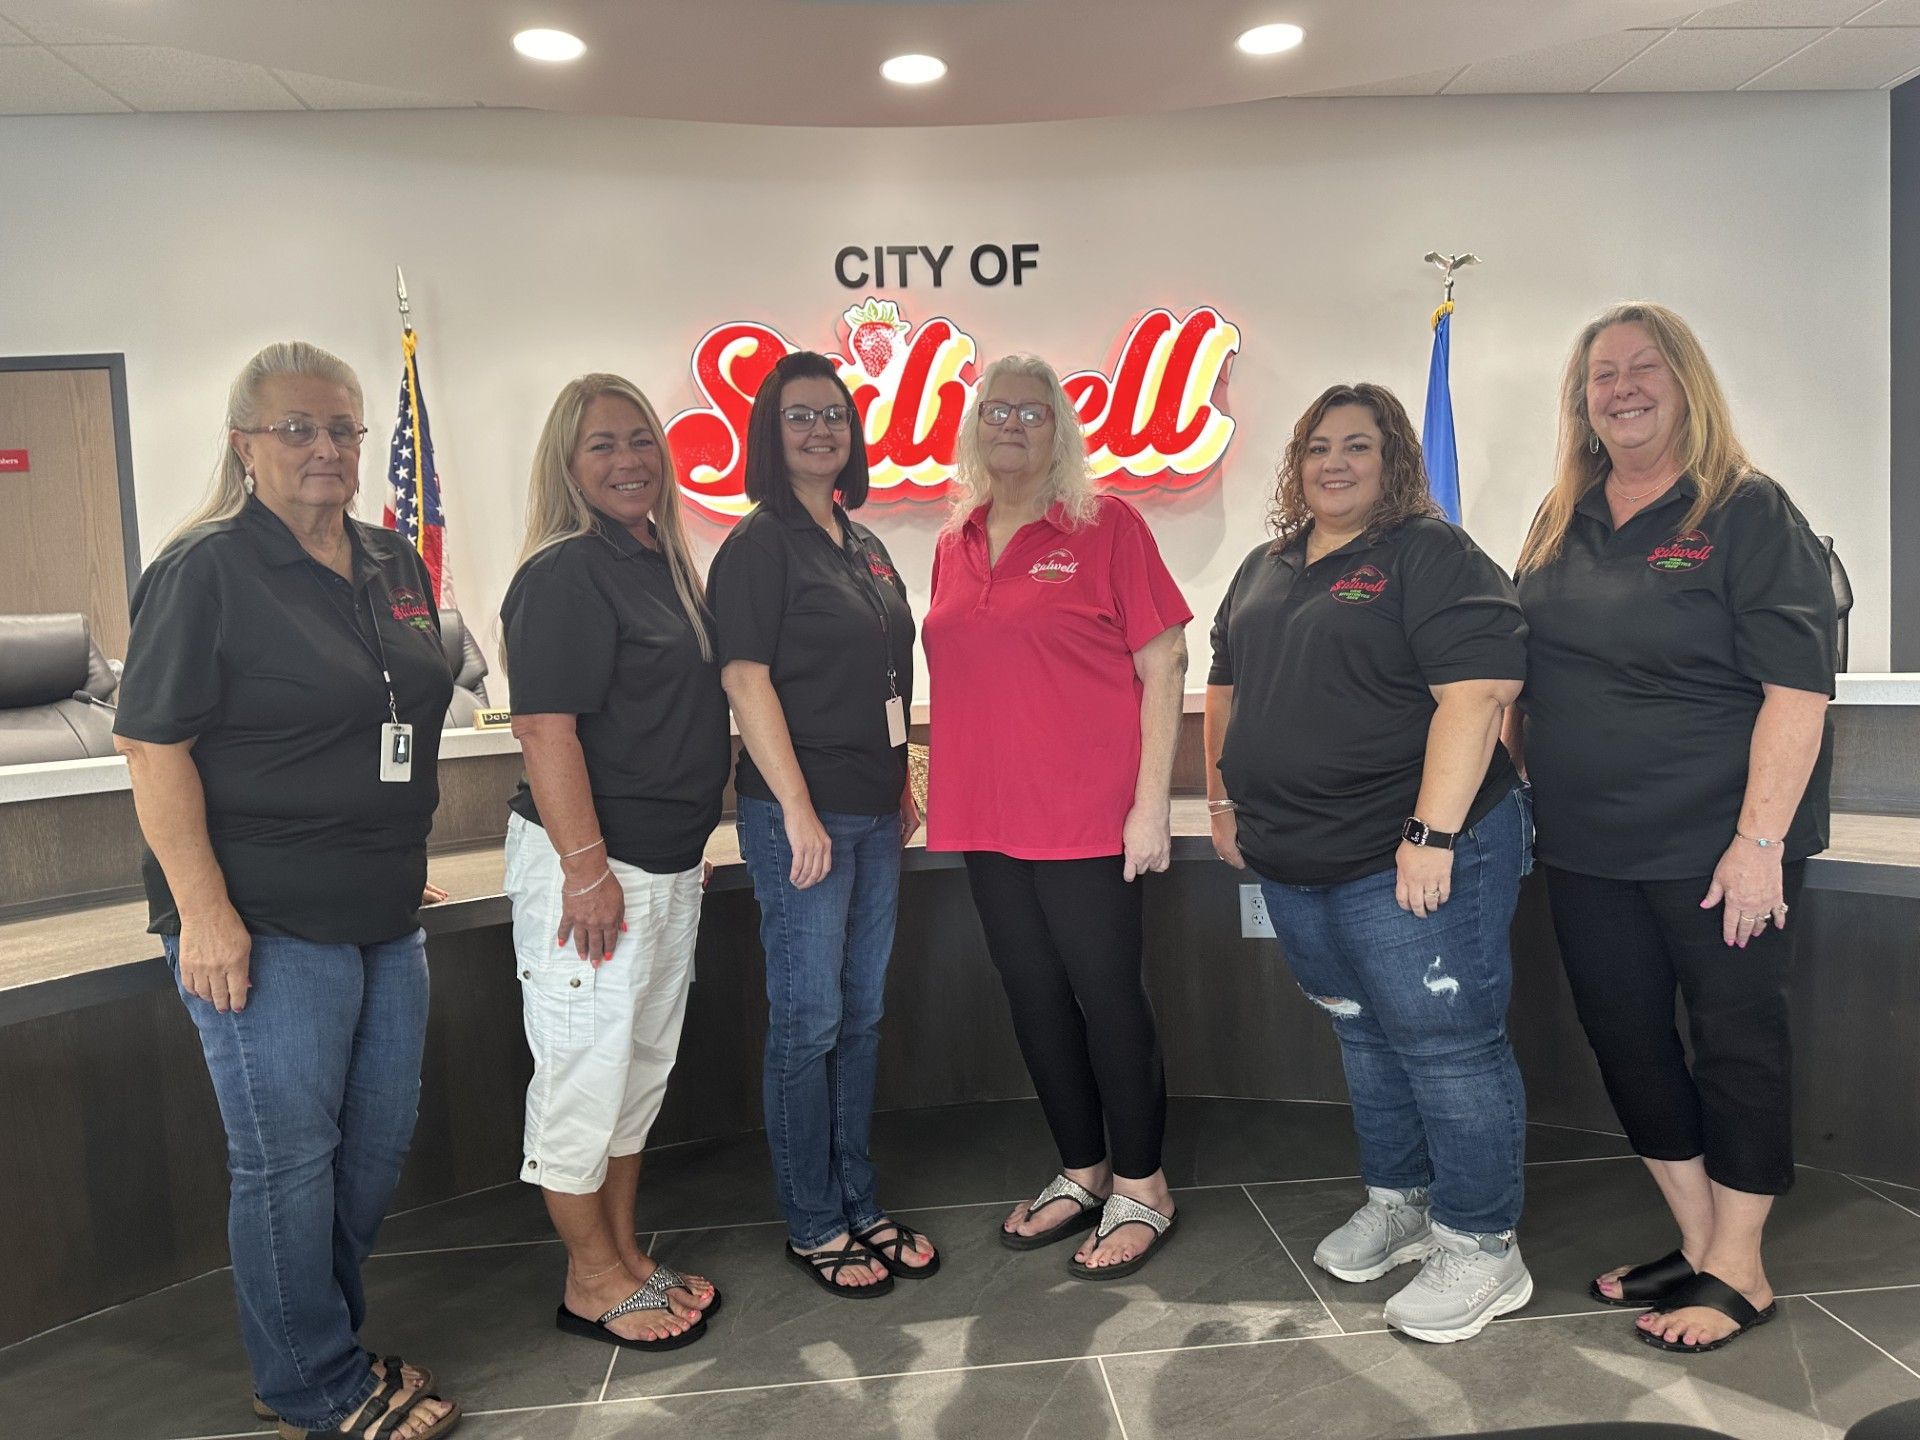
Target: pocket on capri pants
(558, 1000)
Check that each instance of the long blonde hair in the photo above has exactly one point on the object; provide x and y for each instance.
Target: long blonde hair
(1069, 481)
(1709, 450)
(227, 494)
(557, 511)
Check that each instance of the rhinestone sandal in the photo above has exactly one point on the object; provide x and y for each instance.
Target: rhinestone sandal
(1058, 1188)
(650, 1296)
(1124, 1210)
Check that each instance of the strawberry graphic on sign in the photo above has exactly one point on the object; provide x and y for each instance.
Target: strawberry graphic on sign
(872, 329)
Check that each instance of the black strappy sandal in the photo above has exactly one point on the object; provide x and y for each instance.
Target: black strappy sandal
(890, 1252)
(1644, 1284)
(825, 1267)
(1709, 1292)
(393, 1363)
(380, 1418)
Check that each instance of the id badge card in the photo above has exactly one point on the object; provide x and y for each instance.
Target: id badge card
(896, 721)
(396, 753)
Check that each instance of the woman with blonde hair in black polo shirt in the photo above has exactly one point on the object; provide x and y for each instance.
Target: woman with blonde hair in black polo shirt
(621, 720)
(1679, 663)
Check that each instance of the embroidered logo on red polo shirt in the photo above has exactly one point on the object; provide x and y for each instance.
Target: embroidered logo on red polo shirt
(1056, 567)
(880, 568)
(410, 607)
(1361, 587)
(1683, 552)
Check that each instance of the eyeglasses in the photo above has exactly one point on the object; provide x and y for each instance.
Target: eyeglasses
(1031, 416)
(800, 418)
(299, 434)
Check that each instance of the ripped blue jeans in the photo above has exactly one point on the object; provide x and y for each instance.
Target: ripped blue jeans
(1420, 1009)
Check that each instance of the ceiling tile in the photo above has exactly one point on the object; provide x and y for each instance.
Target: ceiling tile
(1706, 60)
(11, 34)
(153, 77)
(1847, 60)
(1560, 69)
(1756, 14)
(34, 82)
(1891, 12)
(325, 93)
(54, 32)
(1427, 82)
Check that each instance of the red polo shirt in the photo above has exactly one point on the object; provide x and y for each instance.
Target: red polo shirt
(1035, 743)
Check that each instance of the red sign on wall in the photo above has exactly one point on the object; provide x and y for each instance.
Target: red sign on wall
(1155, 418)
(14, 462)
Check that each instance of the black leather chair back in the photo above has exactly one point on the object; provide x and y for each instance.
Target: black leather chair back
(1842, 601)
(44, 661)
(469, 669)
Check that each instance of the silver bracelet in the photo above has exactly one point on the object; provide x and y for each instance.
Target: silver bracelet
(574, 894)
(1220, 807)
(583, 849)
(1764, 844)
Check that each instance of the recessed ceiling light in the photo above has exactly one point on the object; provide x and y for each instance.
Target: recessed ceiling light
(1270, 39)
(554, 45)
(914, 69)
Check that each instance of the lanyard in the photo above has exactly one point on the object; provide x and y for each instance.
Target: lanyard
(377, 652)
(870, 588)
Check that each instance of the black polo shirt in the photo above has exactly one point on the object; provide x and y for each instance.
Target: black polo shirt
(266, 659)
(826, 620)
(1330, 665)
(1645, 658)
(595, 629)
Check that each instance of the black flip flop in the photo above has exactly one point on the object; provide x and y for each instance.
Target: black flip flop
(1645, 1284)
(650, 1296)
(889, 1252)
(1712, 1293)
(825, 1265)
(1058, 1188)
(1125, 1210)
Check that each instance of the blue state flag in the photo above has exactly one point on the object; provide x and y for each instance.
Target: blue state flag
(1436, 430)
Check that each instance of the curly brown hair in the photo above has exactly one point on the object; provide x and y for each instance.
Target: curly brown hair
(1403, 474)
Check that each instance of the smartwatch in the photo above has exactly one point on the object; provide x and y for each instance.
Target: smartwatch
(1417, 832)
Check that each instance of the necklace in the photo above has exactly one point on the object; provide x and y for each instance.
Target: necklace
(331, 561)
(1636, 499)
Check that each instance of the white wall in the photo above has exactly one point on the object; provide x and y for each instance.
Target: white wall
(539, 246)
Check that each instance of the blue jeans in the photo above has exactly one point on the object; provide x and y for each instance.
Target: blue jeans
(318, 1080)
(827, 949)
(1420, 1009)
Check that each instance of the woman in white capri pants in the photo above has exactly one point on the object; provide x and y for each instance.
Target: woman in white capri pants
(623, 726)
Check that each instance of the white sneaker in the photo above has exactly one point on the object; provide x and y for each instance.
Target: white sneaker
(1466, 1282)
(1389, 1230)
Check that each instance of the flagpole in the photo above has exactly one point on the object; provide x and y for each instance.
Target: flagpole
(1438, 446)
(406, 310)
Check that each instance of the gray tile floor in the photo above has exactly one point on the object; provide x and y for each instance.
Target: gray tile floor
(1232, 1332)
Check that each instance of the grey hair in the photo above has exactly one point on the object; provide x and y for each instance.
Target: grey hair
(1069, 478)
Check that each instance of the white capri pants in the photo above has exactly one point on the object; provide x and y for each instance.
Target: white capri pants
(603, 1038)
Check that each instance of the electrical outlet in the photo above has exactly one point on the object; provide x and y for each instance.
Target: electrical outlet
(1254, 921)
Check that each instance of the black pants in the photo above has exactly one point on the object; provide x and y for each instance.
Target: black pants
(1626, 945)
(1066, 937)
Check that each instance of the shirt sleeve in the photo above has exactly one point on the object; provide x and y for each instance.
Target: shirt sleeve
(1221, 671)
(561, 637)
(1145, 594)
(747, 588)
(172, 687)
(1460, 613)
(1780, 590)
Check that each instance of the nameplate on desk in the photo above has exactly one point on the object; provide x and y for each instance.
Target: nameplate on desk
(492, 719)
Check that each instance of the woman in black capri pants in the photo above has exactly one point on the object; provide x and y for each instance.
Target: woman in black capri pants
(1679, 663)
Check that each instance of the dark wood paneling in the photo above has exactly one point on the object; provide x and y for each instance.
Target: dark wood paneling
(474, 790)
(72, 848)
(1876, 758)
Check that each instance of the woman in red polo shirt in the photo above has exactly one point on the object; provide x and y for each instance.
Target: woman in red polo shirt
(1057, 661)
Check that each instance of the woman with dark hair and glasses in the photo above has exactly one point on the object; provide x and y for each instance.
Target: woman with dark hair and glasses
(1057, 651)
(1362, 661)
(816, 652)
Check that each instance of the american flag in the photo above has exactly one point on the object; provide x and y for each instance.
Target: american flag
(413, 485)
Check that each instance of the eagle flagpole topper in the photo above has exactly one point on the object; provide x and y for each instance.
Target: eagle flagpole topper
(1436, 428)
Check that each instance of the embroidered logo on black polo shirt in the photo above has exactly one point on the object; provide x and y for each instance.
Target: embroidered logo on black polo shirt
(1056, 567)
(1361, 587)
(410, 607)
(880, 568)
(1683, 552)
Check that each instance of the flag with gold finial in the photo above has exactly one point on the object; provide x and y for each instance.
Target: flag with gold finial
(413, 507)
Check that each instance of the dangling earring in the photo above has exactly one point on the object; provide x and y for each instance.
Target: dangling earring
(1593, 444)
(247, 484)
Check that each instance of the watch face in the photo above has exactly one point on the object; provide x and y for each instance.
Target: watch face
(1414, 833)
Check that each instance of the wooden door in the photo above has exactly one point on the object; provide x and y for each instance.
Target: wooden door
(66, 525)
